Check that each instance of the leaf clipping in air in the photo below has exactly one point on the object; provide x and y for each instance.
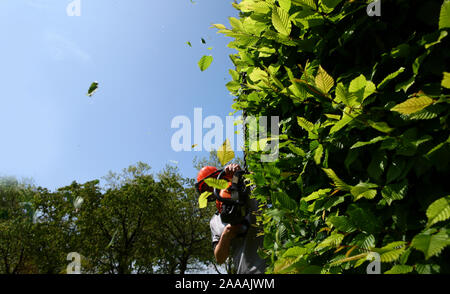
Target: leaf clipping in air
(205, 62)
(225, 152)
(216, 183)
(203, 199)
(281, 21)
(413, 105)
(92, 89)
(323, 80)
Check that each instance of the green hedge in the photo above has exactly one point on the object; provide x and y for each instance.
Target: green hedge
(364, 149)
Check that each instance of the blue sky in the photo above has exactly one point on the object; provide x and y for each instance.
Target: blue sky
(52, 132)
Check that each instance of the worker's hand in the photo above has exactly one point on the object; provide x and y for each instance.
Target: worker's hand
(232, 168)
(230, 232)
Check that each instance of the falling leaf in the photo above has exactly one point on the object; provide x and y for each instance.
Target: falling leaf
(205, 62)
(203, 199)
(92, 89)
(216, 183)
(203, 41)
(225, 152)
(189, 44)
(193, 146)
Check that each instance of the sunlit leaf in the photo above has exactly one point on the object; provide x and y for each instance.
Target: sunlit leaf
(323, 80)
(281, 21)
(225, 152)
(439, 210)
(413, 105)
(203, 199)
(217, 183)
(205, 62)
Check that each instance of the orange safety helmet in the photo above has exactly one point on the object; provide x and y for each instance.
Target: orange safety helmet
(207, 172)
(204, 173)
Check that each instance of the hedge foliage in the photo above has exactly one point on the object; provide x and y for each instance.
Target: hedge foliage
(364, 149)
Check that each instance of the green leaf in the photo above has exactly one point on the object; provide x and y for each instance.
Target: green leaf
(392, 251)
(377, 165)
(342, 224)
(297, 150)
(256, 7)
(373, 141)
(284, 200)
(343, 96)
(400, 269)
(317, 194)
(390, 77)
(430, 244)
(323, 80)
(438, 211)
(395, 170)
(345, 120)
(281, 21)
(395, 191)
(295, 251)
(357, 84)
(285, 4)
(334, 240)
(446, 80)
(225, 152)
(341, 185)
(203, 199)
(305, 3)
(236, 24)
(329, 5)
(318, 154)
(92, 89)
(305, 124)
(380, 126)
(217, 183)
(205, 62)
(365, 190)
(364, 241)
(361, 87)
(444, 16)
(218, 26)
(413, 105)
